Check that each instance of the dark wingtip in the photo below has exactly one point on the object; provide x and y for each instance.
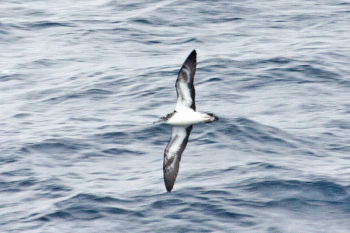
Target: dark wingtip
(168, 189)
(170, 177)
(169, 184)
(192, 58)
(193, 55)
(191, 63)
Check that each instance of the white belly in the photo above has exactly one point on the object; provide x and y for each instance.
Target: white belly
(188, 117)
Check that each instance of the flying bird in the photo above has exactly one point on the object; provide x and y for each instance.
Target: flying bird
(182, 120)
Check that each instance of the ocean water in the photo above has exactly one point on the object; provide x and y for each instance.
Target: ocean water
(82, 81)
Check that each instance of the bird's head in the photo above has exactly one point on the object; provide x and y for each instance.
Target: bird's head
(161, 120)
(164, 118)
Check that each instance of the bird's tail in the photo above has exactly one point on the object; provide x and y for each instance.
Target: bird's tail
(212, 117)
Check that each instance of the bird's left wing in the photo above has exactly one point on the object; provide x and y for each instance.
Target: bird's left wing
(184, 83)
(172, 154)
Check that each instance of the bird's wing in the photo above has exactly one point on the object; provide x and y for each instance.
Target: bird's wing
(172, 154)
(184, 83)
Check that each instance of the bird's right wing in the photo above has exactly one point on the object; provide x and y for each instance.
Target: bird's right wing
(172, 154)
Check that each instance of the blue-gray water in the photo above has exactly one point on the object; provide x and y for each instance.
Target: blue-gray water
(82, 81)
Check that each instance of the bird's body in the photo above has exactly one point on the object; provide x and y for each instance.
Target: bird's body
(182, 119)
(187, 116)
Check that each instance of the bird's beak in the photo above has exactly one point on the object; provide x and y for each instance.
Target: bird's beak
(161, 120)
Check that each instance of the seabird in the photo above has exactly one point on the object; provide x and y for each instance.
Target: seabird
(182, 119)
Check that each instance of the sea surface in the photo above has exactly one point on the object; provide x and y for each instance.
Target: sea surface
(82, 81)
